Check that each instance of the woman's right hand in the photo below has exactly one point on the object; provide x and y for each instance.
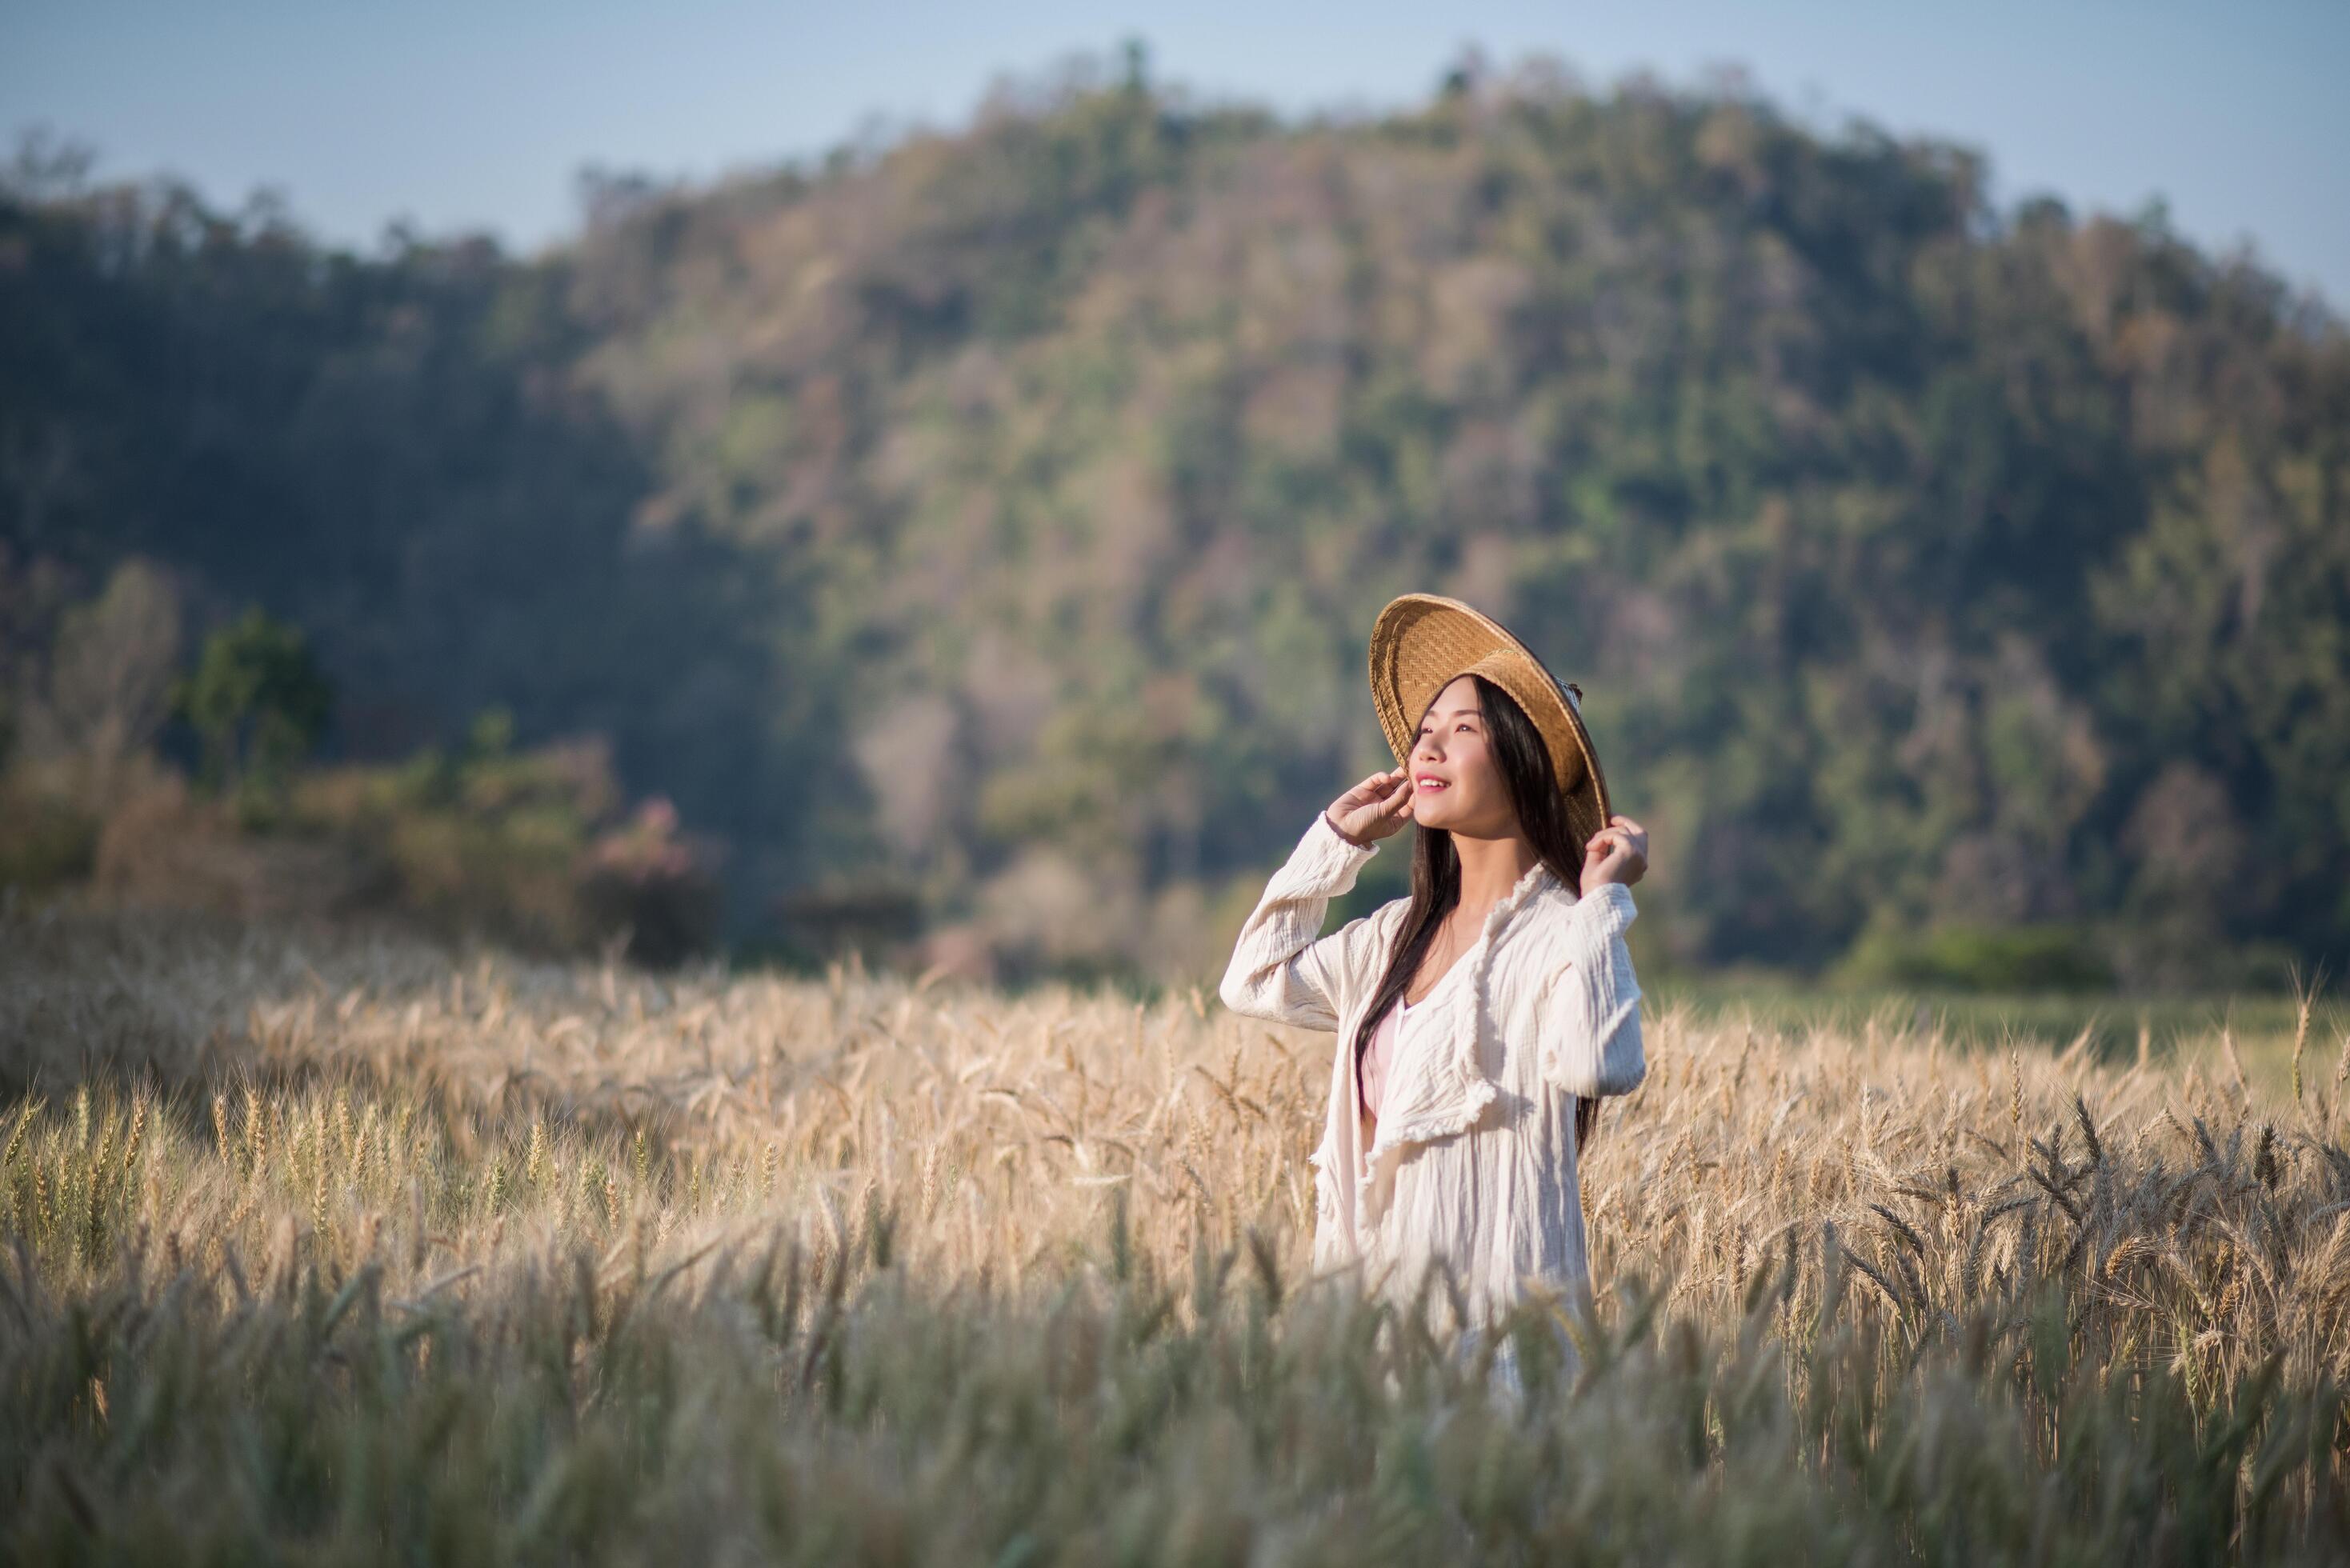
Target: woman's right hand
(1373, 809)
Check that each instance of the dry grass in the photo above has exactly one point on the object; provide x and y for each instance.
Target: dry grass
(365, 1250)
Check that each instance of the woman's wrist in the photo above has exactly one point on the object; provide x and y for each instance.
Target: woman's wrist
(1341, 832)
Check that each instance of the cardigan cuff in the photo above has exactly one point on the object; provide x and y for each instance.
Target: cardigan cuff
(1607, 911)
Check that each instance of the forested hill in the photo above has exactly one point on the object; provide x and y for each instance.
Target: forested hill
(1004, 513)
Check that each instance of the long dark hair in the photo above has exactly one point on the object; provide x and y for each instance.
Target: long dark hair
(1524, 761)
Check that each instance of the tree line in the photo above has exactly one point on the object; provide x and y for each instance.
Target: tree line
(976, 535)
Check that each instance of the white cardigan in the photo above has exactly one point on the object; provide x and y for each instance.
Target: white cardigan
(1472, 1160)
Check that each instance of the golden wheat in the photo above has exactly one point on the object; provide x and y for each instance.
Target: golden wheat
(452, 1137)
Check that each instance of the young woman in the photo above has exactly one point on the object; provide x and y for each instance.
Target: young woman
(1482, 1019)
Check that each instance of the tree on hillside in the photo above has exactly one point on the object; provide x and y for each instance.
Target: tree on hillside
(104, 689)
(258, 700)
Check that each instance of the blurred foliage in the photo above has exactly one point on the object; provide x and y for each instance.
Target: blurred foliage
(257, 699)
(533, 848)
(529, 848)
(1000, 514)
(44, 842)
(1971, 957)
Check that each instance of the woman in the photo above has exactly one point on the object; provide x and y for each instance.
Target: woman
(1481, 1019)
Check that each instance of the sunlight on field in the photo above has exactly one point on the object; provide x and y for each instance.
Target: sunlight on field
(2175, 1032)
(368, 1249)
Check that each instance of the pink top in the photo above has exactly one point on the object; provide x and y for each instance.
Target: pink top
(1379, 1054)
(1376, 1058)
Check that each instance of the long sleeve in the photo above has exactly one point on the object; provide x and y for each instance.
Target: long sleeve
(1278, 970)
(1591, 1002)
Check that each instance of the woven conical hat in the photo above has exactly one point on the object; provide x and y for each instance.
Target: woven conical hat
(1421, 643)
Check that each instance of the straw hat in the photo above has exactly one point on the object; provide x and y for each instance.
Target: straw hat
(1421, 643)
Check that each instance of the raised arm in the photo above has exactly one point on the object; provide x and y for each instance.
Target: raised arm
(1590, 1005)
(1278, 970)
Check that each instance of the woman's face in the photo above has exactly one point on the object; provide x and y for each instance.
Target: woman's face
(1456, 785)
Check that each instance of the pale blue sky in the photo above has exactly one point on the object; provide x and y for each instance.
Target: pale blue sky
(478, 115)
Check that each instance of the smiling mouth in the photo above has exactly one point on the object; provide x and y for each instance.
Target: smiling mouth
(1425, 785)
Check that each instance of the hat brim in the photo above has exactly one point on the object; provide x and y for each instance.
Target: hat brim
(1421, 643)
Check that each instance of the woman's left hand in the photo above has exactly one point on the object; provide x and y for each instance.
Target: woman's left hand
(1616, 853)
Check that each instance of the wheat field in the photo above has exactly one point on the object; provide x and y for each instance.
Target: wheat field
(333, 1248)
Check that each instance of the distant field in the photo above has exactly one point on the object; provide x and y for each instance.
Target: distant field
(2178, 1030)
(360, 1251)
